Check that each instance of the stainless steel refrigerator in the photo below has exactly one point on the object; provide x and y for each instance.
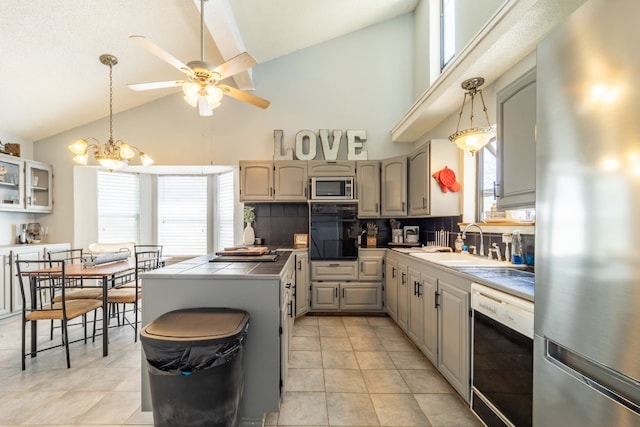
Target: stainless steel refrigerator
(587, 291)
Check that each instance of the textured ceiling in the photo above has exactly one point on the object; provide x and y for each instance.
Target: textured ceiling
(51, 79)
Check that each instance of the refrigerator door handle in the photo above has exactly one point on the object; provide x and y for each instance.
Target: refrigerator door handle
(615, 385)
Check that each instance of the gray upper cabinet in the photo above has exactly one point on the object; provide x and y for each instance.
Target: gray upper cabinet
(394, 186)
(256, 181)
(426, 197)
(368, 191)
(516, 144)
(267, 181)
(330, 168)
(290, 181)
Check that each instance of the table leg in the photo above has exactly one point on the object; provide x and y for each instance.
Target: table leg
(105, 317)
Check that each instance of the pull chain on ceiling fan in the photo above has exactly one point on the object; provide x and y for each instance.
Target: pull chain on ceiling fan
(202, 88)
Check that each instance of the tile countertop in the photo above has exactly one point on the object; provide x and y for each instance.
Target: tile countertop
(499, 275)
(201, 266)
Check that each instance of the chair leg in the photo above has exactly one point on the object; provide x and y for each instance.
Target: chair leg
(65, 338)
(24, 336)
(95, 320)
(135, 324)
(84, 325)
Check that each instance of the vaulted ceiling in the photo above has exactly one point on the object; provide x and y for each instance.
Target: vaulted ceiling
(51, 79)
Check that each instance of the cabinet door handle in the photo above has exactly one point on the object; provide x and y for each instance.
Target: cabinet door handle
(336, 292)
(436, 299)
(288, 285)
(393, 272)
(342, 293)
(290, 308)
(361, 270)
(415, 288)
(305, 192)
(403, 205)
(334, 265)
(424, 202)
(404, 278)
(418, 293)
(299, 265)
(377, 208)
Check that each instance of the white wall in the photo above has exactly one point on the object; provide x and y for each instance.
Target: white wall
(359, 81)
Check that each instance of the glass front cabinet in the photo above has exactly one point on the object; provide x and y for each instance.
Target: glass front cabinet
(25, 185)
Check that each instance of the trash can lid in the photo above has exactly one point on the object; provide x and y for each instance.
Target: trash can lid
(197, 324)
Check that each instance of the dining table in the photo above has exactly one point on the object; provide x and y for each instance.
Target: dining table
(107, 274)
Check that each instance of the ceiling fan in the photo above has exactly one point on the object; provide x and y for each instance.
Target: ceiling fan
(202, 87)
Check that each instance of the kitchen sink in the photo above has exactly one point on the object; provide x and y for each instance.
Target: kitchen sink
(452, 259)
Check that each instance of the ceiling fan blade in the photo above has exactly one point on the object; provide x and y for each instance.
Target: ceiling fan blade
(235, 65)
(161, 53)
(244, 96)
(203, 106)
(156, 85)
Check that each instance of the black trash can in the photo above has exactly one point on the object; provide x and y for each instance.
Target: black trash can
(194, 359)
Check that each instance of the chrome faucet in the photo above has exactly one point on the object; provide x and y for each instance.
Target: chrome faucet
(464, 235)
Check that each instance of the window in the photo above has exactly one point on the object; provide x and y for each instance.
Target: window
(487, 178)
(224, 211)
(182, 215)
(447, 31)
(118, 207)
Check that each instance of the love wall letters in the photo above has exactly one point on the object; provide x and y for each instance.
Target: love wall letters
(306, 145)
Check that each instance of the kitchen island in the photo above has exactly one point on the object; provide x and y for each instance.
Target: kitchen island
(260, 288)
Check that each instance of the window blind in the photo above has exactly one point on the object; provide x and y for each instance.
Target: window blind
(182, 215)
(118, 207)
(224, 203)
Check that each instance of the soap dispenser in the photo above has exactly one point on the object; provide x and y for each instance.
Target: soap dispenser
(516, 248)
(458, 243)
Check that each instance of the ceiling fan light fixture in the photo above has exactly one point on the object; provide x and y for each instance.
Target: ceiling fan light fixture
(111, 155)
(474, 138)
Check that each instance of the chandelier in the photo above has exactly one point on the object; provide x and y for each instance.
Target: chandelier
(111, 155)
(474, 138)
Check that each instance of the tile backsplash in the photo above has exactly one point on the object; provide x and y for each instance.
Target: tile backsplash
(276, 223)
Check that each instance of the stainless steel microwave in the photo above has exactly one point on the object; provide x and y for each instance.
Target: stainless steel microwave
(332, 188)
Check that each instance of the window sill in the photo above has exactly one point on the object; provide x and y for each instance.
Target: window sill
(502, 227)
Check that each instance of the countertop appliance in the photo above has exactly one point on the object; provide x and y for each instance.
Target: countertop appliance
(502, 363)
(333, 231)
(587, 309)
(332, 188)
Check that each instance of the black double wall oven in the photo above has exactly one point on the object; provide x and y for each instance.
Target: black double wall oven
(333, 231)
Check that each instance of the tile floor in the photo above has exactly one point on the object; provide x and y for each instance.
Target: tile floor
(343, 371)
(363, 371)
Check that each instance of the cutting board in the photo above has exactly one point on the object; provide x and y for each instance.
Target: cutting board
(244, 250)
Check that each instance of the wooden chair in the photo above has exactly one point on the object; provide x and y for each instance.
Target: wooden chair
(41, 283)
(131, 293)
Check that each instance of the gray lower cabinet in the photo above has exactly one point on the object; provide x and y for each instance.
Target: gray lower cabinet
(5, 290)
(391, 286)
(370, 264)
(10, 296)
(403, 294)
(301, 290)
(355, 296)
(433, 310)
(516, 143)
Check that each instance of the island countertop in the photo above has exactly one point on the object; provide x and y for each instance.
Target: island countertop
(204, 267)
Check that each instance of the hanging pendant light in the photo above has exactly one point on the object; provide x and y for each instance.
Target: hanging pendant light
(111, 155)
(473, 138)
